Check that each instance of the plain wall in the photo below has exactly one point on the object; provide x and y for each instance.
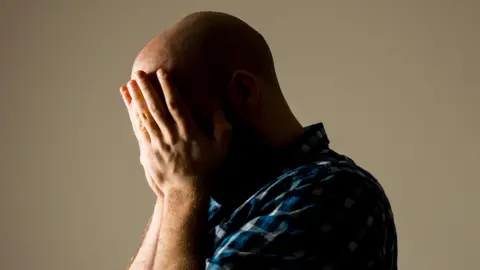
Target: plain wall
(396, 84)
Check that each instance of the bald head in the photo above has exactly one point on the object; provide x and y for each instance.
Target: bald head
(215, 60)
(208, 48)
(218, 62)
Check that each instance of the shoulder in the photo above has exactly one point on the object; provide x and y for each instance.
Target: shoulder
(327, 212)
(327, 189)
(324, 178)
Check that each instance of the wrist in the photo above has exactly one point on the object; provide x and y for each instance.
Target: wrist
(185, 190)
(185, 196)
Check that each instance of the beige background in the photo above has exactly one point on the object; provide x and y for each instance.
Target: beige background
(395, 82)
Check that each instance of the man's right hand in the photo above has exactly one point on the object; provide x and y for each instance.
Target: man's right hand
(138, 128)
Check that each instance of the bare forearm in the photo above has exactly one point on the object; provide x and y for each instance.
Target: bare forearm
(145, 256)
(183, 220)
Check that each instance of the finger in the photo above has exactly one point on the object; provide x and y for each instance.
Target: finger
(143, 135)
(142, 117)
(150, 181)
(145, 118)
(125, 96)
(137, 126)
(177, 108)
(154, 103)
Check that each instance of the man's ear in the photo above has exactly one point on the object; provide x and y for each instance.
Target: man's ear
(244, 90)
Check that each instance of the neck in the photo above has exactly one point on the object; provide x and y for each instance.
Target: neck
(280, 127)
(249, 170)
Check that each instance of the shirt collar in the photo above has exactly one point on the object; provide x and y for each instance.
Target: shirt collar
(300, 151)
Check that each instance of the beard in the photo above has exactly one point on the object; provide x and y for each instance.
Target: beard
(243, 161)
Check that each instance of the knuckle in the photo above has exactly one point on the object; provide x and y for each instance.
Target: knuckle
(154, 109)
(173, 105)
(155, 142)
(139, 74)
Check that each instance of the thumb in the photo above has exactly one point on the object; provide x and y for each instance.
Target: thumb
(222, 131)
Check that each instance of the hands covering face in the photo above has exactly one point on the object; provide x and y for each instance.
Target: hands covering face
(175, 154)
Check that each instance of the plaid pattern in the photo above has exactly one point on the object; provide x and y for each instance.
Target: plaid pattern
(319, 211)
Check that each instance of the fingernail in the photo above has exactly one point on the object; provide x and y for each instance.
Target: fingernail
(160, 72)
(140, 74)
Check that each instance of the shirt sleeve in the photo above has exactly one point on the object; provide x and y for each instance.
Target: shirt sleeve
(334, 222)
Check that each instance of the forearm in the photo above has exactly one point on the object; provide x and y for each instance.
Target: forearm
(184, 216)
(145, 256)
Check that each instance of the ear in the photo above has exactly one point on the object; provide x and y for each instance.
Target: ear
(244, 90)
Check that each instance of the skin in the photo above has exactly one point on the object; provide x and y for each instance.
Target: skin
(202, 111)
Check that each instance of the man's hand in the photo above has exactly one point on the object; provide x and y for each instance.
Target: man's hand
(179, 161)
(175, 153)
(138, 129)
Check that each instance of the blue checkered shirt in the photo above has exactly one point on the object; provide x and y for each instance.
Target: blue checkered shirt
(320, 211)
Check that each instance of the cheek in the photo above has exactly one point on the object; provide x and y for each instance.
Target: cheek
(202, 115)
(204, 124)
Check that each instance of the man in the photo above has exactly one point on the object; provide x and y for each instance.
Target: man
(240, 184)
